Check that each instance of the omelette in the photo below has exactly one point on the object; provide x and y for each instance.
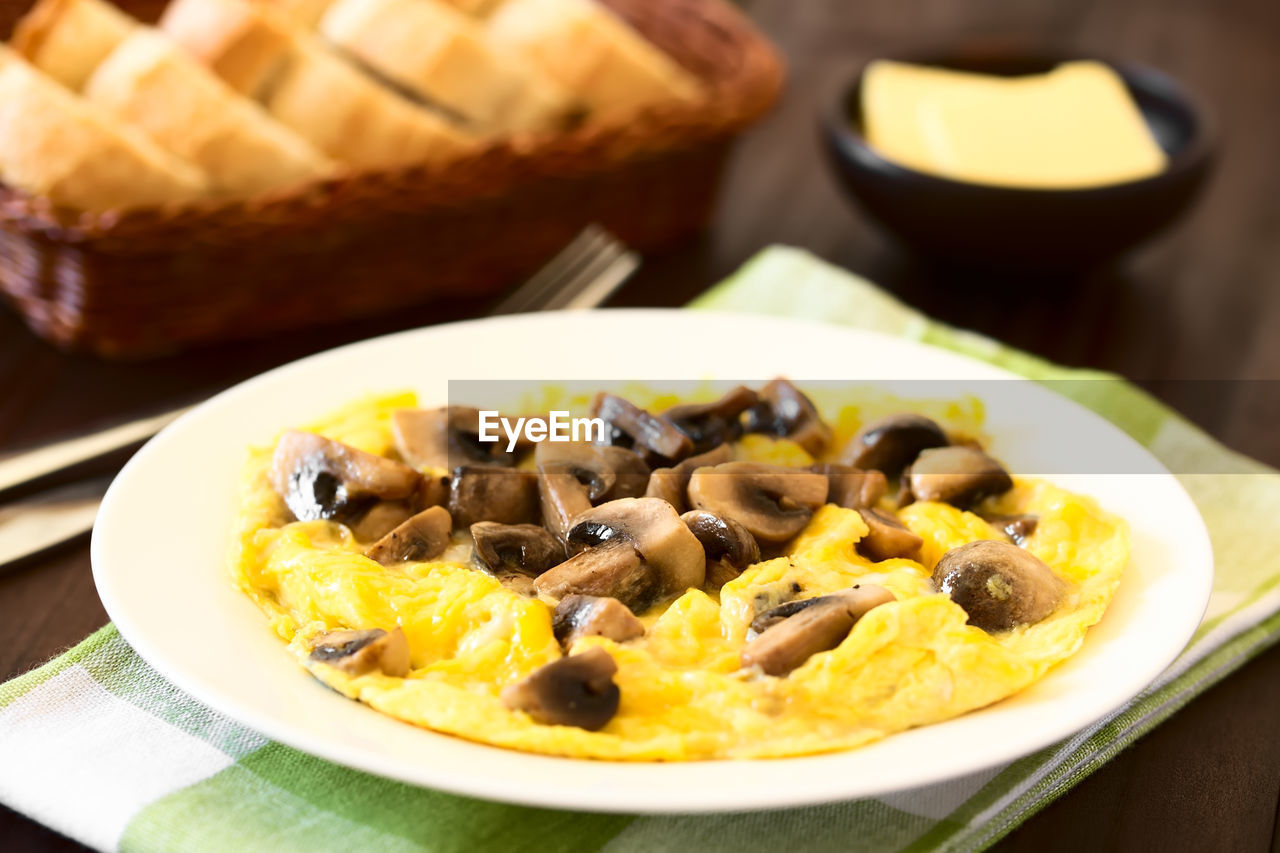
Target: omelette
(849, 577)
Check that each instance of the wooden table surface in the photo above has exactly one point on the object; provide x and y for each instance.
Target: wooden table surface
(1202, 303)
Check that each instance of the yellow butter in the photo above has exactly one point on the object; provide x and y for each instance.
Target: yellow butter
(1075, 126)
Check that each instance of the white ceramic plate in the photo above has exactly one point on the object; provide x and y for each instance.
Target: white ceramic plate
(159, 544)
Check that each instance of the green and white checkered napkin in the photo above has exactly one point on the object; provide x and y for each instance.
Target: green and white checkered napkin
(100, 747)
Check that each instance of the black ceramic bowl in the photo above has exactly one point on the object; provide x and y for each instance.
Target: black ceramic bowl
(992, 227)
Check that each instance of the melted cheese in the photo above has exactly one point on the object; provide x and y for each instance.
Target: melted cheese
(1075, 126)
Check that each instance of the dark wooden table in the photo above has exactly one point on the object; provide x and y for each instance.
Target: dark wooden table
(1203, 303)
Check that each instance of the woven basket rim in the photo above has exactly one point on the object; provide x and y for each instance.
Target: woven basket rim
(734, 98)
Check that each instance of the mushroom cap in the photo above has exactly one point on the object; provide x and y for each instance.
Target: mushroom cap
(887, 537)
(578, 616)
(526, 549)
(585, 462)
(486, 493)
(380, 519)
(672, 484)
(432, 491)
(1017, 527)
(723, 539)
(998, 584)
(811, 626)
(613, 569)
(321, 478)
(360, 652)
(960, 476)
(709, 425)
(422, 537)
(652, 525)
(630, 472)
(653, 435)
(852, 488)
(445, 438)
(860, 598)
(421, 436)
(719, 573)
(892, 443)
(563, 494)
(563, 499)
(572, 691)
(784, 410)
(772, 502)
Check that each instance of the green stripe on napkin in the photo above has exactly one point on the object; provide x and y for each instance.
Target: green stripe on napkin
(102, 748)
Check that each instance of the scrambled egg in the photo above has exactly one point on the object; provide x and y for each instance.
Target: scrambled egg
(908, 663)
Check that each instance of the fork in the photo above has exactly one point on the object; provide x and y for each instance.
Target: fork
(582, 275)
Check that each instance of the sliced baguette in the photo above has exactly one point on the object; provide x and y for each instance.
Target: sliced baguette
(474, 8)
(309, 12)
(67, 39)
(56, 145)
(309, 88)
(153, 85)
(355, 119)
(232, 38)
(592, 52)
(438, 53)
(304, 13)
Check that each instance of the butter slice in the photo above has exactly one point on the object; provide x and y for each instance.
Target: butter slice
(1074, 127)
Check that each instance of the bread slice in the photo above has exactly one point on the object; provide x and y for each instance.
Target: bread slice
(474, 8)
(438, 53)
(54, 144)
(153, 85)
(593, 53)
(308, 13)
(306, 86)
(304, 13)
(355, 119)
(232, 38)
(67, 39)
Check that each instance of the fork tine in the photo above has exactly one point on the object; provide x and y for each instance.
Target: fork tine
(596, 281)
(546, 275)
(552, 277)
(586, 273)
(560, 269)
(602, 287)
(581, 266)
(597, 241)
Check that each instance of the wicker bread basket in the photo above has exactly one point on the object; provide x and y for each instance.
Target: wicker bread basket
(146, 282)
